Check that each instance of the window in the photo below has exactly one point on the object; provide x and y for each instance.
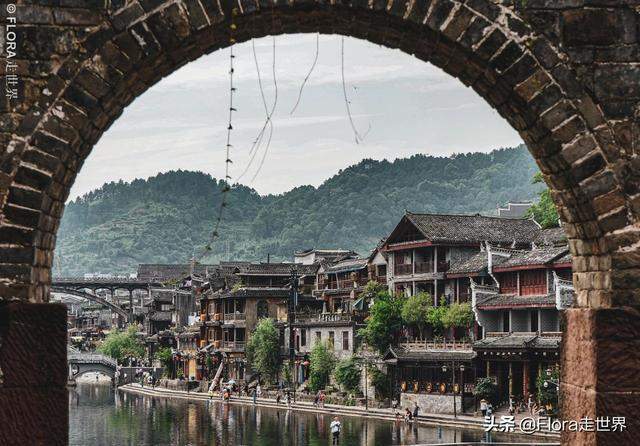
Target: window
(332, 336)
(318, 336)
(506, 321)
(508, 283)
(345, 340)
(533, 282)
(534, 320)
(303, 337)
(263, 309)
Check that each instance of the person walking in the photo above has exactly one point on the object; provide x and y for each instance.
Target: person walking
(416, 410)
(483, 407)
(255, 395)
(322, 397)
(335, 431)
(530, 403)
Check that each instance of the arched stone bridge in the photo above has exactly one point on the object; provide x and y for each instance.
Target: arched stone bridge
(563, 73)
(93, 298)
(81, 363)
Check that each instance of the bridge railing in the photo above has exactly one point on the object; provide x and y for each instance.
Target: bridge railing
(92, 359)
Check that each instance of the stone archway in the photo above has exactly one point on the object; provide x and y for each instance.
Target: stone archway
(563, 75)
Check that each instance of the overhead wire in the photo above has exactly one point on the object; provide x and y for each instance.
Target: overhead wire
(359, 138)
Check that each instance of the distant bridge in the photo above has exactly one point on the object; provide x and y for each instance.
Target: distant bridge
(81, 363)
(77, 286)
(93, 298)
(111, 283)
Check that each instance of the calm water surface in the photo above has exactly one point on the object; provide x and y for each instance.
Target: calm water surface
(99, 415)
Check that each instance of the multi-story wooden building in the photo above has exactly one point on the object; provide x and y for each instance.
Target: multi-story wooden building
(518, 310)
(237, 297)
(422, 247)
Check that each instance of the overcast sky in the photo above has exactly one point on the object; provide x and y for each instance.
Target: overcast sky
(402, 105)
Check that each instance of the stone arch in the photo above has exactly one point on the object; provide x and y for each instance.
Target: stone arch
(100, 58)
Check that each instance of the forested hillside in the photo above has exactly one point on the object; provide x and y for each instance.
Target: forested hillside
(168, 218)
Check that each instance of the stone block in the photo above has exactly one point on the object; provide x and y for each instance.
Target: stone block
(586, 26)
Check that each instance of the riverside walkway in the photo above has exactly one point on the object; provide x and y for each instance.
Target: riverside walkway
(388, 414)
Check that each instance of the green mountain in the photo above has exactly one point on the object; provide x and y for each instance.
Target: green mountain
(168, 218)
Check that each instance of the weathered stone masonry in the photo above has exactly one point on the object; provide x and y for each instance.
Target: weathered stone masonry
(564, 73)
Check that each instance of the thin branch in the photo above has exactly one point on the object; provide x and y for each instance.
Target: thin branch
(358, 138)
(304, 82)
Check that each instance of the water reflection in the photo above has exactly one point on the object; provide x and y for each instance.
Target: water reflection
(101, 416)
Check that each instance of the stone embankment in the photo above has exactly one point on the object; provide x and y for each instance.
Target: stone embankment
(459, 422)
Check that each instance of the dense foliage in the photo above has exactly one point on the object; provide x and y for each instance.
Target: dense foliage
(415, 311)
(487, 389)
(458, 316)
(122, 344)
(263, 349)
(544, 210)
(168, 218)
(548, 396)
(380, 382)
(322, 363)
(384, 321)
(347, 374)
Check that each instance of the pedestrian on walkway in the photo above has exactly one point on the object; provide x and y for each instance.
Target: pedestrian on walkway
(255, 395)
(530, 403)
(322, 397)
(416, 409)
(278, 397)
(483, 407)
(335, 431)
(258, 390)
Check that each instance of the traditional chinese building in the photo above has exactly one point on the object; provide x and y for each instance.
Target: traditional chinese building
(517, 297)
(422, 247)
(238, 296)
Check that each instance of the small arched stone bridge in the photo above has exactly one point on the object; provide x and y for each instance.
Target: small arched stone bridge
(81, 363)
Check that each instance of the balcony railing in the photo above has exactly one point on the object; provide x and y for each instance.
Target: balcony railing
(424, 267)
(344, 284)
(403, 269)
(233, 345)
(235, 316)
(437, 345)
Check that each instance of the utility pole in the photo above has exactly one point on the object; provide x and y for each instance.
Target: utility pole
(291, 316)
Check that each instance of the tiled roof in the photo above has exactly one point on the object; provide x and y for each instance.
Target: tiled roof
(551, 236)
(403, 354)
(564, 259)
(168, 271)
(471, 265)
(474, 228)
(347, 265)
(257, 292)
(279, 269)
(511, 300)
(538, 256)
(518, 340)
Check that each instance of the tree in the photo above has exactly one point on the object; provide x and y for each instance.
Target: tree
(415, 311)
(380, 382)
(164, 356)
(122, 344)
(548, 396)
(385, 319)
(263, 349)
(322, 363)
(458, 316)
(347, 374)
(435, 317)
(487, 389)
(544, 211)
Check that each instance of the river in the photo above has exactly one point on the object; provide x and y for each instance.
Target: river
(100, 415)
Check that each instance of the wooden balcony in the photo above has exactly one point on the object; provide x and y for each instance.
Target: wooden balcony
(424, 267)
(233, 345)
(437, 345)
(235, 316)
(403, 269)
